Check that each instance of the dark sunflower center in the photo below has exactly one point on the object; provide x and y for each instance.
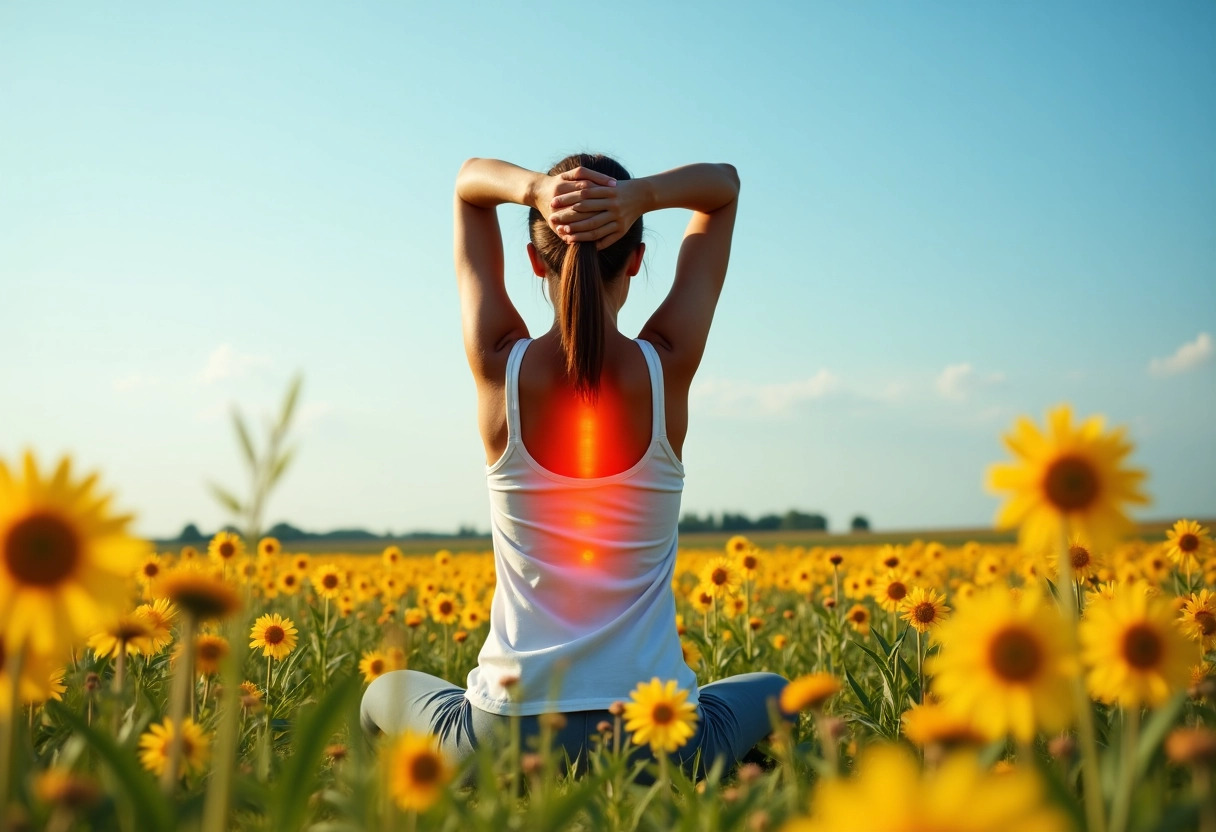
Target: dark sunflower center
(749, 562)
(1078, 556)
(836, 559)
(896, 590)
(662, 714)
(1071, 483)
(209, 651)
(227, 549)
(127, 630)
(1142, 647)
(187, 746)
(891, 562)
(445, 607)
(330, 581)
(274, 634)
(924, 613)
(1015, 654)
(151, 570)
(289, 579)
(424, 768)
(706, 598)
(858, 616)
(377, 666)
(1188, 542)
(1206, 622)
(719, 576)
(41, 550)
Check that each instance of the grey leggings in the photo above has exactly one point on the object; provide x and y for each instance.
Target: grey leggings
(733, 713)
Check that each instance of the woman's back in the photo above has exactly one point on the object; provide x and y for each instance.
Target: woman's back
(583, 606)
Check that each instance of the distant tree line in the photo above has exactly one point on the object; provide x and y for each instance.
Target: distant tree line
(792, 520)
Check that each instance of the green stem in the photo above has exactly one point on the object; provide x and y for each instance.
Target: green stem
(1091, 777)
(8, 733)
(1123, 796)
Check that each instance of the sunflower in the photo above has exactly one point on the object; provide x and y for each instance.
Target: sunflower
(275, 634)
(809, 693)
(721, 576)
(149, 570)
(1188, 542)
(891, 590)
(924, 608)
(692, 654)
(268, 547)
(737, 545)
(199, 593)
(41, 679)
(444, 609)
(417, 772)
(472, 616)
(1068, 478)
(749, 562)
(1006, 664)
(1079, 562)
(209, 650)
(890, 793)
(1198, 618)
(327, 580)
(132, 630)
(660, 715)
(858, 617)
(226, 547)
(702, 598)
(931, 724)
(413, 617)
(154, 746)
(1133, 649)
(66, 562)
(160, 615)
(391, 556)
(373, 665)
(288, 582)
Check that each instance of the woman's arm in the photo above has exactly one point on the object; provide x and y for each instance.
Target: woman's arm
(489, 321)
(681, 323)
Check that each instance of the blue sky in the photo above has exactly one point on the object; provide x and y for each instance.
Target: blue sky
(951, 214)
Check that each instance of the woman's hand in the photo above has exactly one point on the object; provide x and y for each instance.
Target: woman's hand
(588, 206)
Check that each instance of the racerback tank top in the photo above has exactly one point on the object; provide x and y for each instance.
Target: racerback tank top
(583, 608)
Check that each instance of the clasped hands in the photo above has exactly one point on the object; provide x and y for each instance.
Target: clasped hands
(582, 205)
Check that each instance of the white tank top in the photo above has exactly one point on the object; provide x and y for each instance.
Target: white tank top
(583, 607)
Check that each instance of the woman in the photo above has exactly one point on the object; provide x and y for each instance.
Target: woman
(583, 429)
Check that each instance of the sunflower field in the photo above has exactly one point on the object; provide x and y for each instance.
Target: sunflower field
(1062, 682)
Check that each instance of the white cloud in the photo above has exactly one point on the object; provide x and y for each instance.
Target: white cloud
(226, 362)
(773, 399)
(133, 381)
(957, 380)
(1187, 357)
(952, 381)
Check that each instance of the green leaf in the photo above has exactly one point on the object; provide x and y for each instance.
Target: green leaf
(242, 433)
(1155, 729)
(280, 465)
(226, 499)
(152, 811)
(861, 695)
(879, 662)
(312, 733)
(289, 404)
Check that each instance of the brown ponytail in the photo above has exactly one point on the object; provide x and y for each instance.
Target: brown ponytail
(584, 272)
(580, 317)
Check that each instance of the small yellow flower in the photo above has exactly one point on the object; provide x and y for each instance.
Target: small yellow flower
(154, 746)
(275, 635)
(924, 608)
(417, 772)
(226, 547)
(660, 715)
(809, 693)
